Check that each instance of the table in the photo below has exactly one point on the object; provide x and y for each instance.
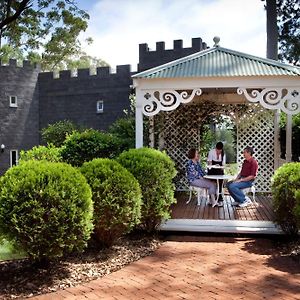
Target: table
(217, 178)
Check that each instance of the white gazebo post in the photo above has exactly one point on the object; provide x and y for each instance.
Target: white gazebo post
(276, 140)
(288, 151)
(139, 119)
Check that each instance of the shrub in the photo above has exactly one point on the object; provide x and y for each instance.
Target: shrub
(117, 198)
(56, 133)
(46, 209)
(82, 147)
(124, 130)
(154, 170)
(286, 197)
(49, 153)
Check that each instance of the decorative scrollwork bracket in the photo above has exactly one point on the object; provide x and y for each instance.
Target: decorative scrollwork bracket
(167, 100)
(286, 99)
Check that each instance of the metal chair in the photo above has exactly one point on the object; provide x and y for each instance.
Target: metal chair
(248, 190)
(201, 192)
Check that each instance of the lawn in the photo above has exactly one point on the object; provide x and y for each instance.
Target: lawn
(7, 252)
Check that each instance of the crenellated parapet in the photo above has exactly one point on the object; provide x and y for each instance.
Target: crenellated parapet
(101, 72)
(25, 64)
(150, 59)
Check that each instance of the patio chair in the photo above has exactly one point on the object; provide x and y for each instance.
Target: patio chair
(201, 193)
(248, 190)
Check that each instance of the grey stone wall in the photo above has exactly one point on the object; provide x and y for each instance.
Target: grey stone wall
(75, 98)
(150, 59)
(19, 125)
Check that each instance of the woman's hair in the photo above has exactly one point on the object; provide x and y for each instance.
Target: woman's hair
(219, 145)
(192, 153)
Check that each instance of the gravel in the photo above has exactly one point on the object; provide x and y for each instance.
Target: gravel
(22, 279)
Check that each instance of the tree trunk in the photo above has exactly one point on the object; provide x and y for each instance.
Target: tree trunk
(272, 30)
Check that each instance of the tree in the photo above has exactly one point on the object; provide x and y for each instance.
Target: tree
(52, 26)
(283, 27)
(289, 30)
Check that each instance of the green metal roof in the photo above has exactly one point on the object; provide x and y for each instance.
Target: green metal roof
(219, 62)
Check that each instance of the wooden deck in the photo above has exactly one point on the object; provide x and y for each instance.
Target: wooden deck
(259, 211)
(255, 218)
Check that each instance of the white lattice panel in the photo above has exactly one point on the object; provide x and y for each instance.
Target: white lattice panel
(180, 132)
(256, 129)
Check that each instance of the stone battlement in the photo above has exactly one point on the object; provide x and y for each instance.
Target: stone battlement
(101, 72)
(150, 59)
(26, 64)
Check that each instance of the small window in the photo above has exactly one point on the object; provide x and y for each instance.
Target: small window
(13, 101)
(100, 106)
(14, 157)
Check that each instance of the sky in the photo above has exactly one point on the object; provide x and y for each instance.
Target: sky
(119, 26)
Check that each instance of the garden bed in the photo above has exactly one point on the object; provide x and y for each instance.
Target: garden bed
(21, 279)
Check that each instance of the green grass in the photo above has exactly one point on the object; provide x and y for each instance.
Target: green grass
(7, 252)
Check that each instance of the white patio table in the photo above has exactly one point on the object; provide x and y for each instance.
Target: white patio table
(218, 178)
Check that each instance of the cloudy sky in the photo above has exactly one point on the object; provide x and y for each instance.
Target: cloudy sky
(119, 26)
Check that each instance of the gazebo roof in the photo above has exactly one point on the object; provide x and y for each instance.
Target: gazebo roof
(220, 62)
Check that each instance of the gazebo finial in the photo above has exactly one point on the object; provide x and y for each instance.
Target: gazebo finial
(216, 40)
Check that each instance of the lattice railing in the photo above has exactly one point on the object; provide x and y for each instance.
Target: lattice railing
(256, 129)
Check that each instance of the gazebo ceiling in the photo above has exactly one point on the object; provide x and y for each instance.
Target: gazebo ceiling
(219, 62)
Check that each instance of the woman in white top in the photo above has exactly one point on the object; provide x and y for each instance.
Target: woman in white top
(217, 157)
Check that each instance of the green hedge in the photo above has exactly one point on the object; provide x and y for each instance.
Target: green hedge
(154, 170)
(117, 198)
(85, 146)
(286, 197)
(46, 209)
(49, 153)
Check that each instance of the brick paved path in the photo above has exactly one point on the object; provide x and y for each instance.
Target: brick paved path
(198, 268)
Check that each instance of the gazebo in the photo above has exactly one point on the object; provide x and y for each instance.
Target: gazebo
(228, 78)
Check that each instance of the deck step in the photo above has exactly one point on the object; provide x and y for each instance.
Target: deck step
(221, 226)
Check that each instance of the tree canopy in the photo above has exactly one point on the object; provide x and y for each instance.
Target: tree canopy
(45, 31)
(288, 18)
(283, 29)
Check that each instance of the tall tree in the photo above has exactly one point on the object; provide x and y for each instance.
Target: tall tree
(272, 31)
(288, 17)
(48, 26)
(283, 26)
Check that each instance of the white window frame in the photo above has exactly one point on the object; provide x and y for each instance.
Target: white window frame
(100, 106)
(11, 104)
(10, 156)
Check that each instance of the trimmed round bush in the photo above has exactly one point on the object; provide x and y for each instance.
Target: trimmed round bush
(117, 198)
(46, 209)
(85, 146)
(49, 153)
(286, 197)
(154, 170)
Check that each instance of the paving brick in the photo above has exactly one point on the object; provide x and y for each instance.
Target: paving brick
(192, 270)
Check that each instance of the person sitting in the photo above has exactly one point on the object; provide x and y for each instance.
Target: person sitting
(244, 179)
(195, 176)
(217, 157)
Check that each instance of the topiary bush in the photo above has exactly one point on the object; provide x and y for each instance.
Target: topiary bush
(49, 153)
(286, 197)
(46, 209)
(85, 146)
(154, 170)
(117, 199)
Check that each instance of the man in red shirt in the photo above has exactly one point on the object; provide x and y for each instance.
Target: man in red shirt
(244, 179)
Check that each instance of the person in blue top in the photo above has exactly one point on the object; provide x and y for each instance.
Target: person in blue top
(195, 177)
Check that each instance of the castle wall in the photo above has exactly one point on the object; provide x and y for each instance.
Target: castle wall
(75, 98)
(43, 99)
(150, 59)
(19, 125)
